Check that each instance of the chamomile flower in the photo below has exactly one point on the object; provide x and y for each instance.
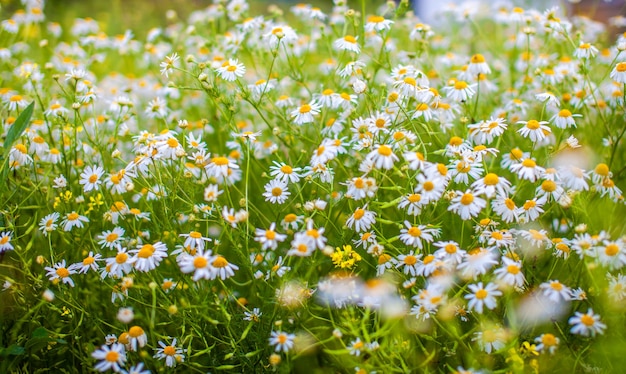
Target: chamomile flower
(510, 272)
(281, 341)
(111, 357)
(170, 353)
(478, 65)
(90, 178)
(377, 23)
(459, 90)
(564, 119)
(306, 113)
(482, 296)
(547, 343)
(555, 291)
(198, 264)
(72, 220)
(361, 220)
(382, 156)
(276, 192)
(231, 70)
(148, 256)
(59, 272)
(413, 203)
(466, 204)
(527, 169)
(534, 130)
(195, 240)
(618, 73)
(347, 43)
(269, 238)
(221, 268)
(48, 223)
(90, 262)
(111, 238)
(416, 236)
(285, 173)
(586, 324)
(585, 51)
(491, 185)
(5, 241)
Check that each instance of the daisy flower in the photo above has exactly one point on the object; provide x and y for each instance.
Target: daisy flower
(382, 156)
(220, 167)
(281, 341)
(137, 338)
(5, 242)
(585, 51)
(89, 262)
(119, 265)
(586, 324)
(415, 235)
(231, 70)
(305, 113)
(534, 130)
(111, 357)
(377, 23)
(556, 291)
(413, 203)
(505, 207)
(72, 220)
(276, 191)
(356, 346)
(527, 169)
(221, 268)
(148, 256)
(60, 272)
(361, 220)
(618, 73)
(564, 119)
(111, 238)
(449, 251)
(48, 223)
(482, 296)
(460, 91)
(198, 264)
(90, 178)
(491, 185)
(466, 204)
(547, 343)
(477, 262)
(510, 273)
(610, 254)
(410, 262)
(195, 240)
(347, 43)
(490, 340)
(170, 353)
(285, 173)
(269, 238)
(478, 65)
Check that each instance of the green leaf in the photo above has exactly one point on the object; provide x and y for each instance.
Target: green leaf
(13, 349)
(18, 128)
(40, 332)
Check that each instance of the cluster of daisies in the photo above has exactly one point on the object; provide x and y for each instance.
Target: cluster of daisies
(383, 166)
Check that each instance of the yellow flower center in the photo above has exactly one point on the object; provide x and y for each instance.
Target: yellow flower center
(429, 186)
(467, 199)
(410, 260)
(410, 81)
(220, 262)
(621, 67)
(359, 213)
(548, 186)
(277, 191)
(135, 332)
(451, 248)
(169, 351)
(481, 294)
(121, 258)
(146, 251)
(200, 262)
(611, 249)
(305, 108)
(220, 161)
(384, 150)
(72, 216)
(415, 198)
(375, 19)
(587, 320)
(349, 39)
(286, 169)
(112, 356)
(477, 59)
(270, 235)
(63, 272)
(602, 170)
(415, 232)
(510, 204)
(491, 179)
(460, 85)
(532, 124)
(529, 163)
(548, 340)
(512, 269)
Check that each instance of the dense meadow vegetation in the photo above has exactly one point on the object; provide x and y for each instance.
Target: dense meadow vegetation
(299, 190)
